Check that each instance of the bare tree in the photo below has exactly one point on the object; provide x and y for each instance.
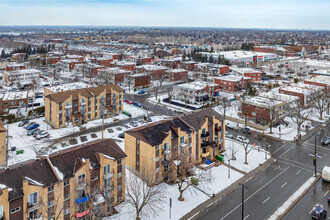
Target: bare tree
(233, 150)
(272, 115)
(298, 115)
(185, 174)
(321, 102)
(247, 148)
(146, 197)
(224, 103)
(170, 94)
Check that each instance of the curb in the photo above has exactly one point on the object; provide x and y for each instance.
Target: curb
(302, 195)
(231, 188)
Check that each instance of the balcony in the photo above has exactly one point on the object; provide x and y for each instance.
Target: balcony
(108, 175)
(108, 188)
(206, 154)
(68, 106)
(166, 152)
(82, 200)
(184, 144)
(83, 103)
(205, 144)
(82, 214)
(81, 186)
(32, 206)
(204, 135)
(217, 129)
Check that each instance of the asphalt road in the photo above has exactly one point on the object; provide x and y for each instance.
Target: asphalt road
(268, 190)
(318, 194)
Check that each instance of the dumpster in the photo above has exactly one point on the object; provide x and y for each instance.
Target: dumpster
(19, 152)
(220, 157)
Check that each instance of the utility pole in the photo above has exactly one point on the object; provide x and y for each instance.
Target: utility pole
(243, 187)
(229, 168)
(315, 154)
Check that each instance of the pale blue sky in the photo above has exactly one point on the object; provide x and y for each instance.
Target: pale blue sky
(286, 14)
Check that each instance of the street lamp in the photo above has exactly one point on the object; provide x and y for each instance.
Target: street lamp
(243, 187)
(314, 159)
(267, 148)
(229, 168)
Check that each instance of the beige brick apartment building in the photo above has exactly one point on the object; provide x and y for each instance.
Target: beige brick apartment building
(199, 134)
(82, 105)
(77, 183)
(3, 145)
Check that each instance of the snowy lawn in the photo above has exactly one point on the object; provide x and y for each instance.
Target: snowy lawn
(292, 198)
(254, 159)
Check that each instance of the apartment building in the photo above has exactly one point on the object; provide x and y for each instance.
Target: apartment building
(232, 83)
(82, 105)
(3, 146)
(15, 66)
(139, 80)
(23, 76)
(177, 74)
(200, 134)
(254, 75)
(13, 100)
(113, 75)
(77, 183)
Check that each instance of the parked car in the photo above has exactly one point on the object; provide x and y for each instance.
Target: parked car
(30, 132)
(325, 140)
(242, 139)
(42, 135)
(21, 124)
(246, 130)
(32, 126)
(35, 134)
(121, 135)
(137, 104)
(229, 125)
(128, 102)
(319, 212)
(134, 123)
(326, 174)
(229, 135)
(29, 124)
(141, 92)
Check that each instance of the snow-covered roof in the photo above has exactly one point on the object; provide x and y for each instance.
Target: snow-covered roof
(176, 70)
(231, 78)
(301, 88)
(245, 70)
(69, 86)
(261, 101)
(197, 85)
(24, 71)
(320, 79)
(153, 67)
(14, 95)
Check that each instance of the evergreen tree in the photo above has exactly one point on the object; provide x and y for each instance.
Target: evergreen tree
(211, 59)
(3, 54)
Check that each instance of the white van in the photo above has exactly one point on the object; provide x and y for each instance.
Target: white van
(326, 174)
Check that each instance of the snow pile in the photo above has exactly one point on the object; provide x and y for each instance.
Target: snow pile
(59, 174)
(34, 182)
(291, 200)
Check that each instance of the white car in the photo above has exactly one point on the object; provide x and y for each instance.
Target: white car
(42, 135)
(242, 139)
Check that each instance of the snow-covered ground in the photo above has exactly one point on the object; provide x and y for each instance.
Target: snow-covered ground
(18, 135)
(315, 115)
(292, 198)
(315, 63)
(193, 196)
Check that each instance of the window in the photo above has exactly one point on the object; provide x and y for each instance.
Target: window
(107, 195)
(157, 170)
(67, 211)
(17, 209)
(33, 198)
(13, 102)
(106, 169)
(82, 178)
(106, 182)
(51, 188)
(119, 187)
(157, 159)
(50, 203)
(157, 148)
(182, 139)
(189, 135)
(67, 182)
(119, 175)
(119, 162)
(95, 178)
(1, 211)
(5, 110)
(66, 197)
(5, 103)
(166, 146)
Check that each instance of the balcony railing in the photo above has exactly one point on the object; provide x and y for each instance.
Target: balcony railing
(184, 144)
(205, 144)
(82, 200)
(82, 214)
(68, 106)
(81, 185)
(206, 154)
(32, 206)
(206, 134)
(108, 175)
(108, 188)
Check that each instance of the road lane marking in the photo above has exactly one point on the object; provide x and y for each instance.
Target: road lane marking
(249, 179)
(316, 155)
(193, 216)
(280, 148)
(218, 200)
(298, 172)
(209, 205)
(266, 200)
(255, 192)
(286, 151)
(246, 217)
(326, 193)
(284, 184)
(311, 210)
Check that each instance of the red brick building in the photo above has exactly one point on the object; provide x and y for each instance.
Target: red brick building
(223, 69)
(156, 72)
(114, 75)
(140, 80)
(103, 61)
(130, 66)
(69, 64)
(323, 81)
(15, 66)
(188, 65)
(52, 60)
(232, 83)
(75, 57)
(146, 60)
(12, 100)
(177, 74)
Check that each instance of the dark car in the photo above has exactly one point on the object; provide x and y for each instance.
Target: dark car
(30, 132)
(137, 104)
(21, 124)
(121, 135)
(246, 130)
(319, 212)
(35, 134)
(325, 140)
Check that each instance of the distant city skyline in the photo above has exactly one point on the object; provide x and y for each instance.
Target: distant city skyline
(270, 14)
